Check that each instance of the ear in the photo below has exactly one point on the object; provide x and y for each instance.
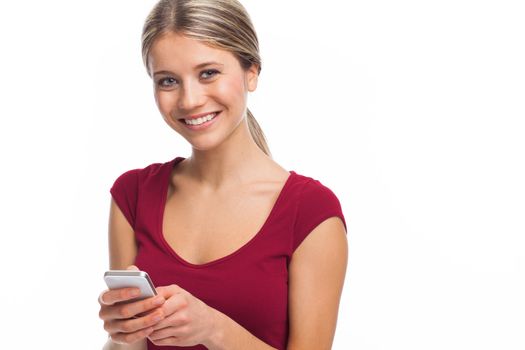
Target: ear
(252, 76)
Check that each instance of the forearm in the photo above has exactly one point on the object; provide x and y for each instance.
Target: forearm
(110, 345)
(229, 335)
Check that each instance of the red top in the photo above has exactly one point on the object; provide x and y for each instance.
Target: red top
(249, 285)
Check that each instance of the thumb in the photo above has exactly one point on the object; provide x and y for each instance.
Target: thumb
(132, 267)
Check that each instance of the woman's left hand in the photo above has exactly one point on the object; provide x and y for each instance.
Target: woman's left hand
(188, 321)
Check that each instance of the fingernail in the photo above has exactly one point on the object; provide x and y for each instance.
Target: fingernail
(135, 292)
(157, 318)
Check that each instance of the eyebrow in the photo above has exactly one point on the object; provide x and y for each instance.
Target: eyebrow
(200, 65)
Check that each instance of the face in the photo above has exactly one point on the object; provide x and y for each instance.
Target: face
(194, 82)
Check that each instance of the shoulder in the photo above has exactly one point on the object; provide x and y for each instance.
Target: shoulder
(311, 189)
(135, 176)
(315, 197)
(316, 203)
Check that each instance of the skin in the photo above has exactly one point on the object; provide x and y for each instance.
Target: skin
(224, 159)
(227, 144)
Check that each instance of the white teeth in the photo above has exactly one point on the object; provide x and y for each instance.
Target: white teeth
(200, 120)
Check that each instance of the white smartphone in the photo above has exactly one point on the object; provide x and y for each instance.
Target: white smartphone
(116, 279)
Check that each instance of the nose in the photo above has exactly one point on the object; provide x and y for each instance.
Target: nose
(191, 96)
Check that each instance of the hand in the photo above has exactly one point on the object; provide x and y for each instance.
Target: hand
(189, 321)
(127, 323)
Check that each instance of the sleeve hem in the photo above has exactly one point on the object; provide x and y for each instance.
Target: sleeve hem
(318, 222)
(316, 203)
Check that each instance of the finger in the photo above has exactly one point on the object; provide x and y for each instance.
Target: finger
(132, 267)
(100, 300)
(145, 313)
(168, 291)
(175, 314)
(110, 297)
(175, 303)
(172, 321)
(130, 338)
(125, 311)
(133, 324)
(167, 341)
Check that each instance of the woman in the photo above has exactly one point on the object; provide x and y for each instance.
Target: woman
(244, 254)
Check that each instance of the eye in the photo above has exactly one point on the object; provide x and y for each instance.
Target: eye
(166, 82)
(210, 73)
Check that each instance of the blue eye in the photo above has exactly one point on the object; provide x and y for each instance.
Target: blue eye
(212, 72)
(169, 82)
(166, 82)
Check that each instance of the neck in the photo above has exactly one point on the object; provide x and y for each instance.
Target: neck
(236, 161)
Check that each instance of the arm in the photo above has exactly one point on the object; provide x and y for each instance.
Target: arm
(121, 239)
(227, 334)
(112, 346)
(122, 252)
(317, 271)
(230, 335)
(190, 321)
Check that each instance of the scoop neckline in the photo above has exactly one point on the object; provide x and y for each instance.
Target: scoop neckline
(260, 232)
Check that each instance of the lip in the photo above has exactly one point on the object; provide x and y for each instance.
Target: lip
(195, 116)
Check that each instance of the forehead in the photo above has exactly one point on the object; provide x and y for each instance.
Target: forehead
(173, 51)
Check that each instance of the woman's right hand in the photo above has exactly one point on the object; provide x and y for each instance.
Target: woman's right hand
(127, 323)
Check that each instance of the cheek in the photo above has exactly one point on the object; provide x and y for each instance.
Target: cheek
(164, 102)
(231, 90)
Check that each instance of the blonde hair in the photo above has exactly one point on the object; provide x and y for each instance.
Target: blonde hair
(223, 24)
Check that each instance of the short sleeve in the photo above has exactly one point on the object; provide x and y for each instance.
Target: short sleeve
(124, 192)
(316, 204)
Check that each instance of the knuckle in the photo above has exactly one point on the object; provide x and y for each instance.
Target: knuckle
(184, 302)
(125, 312)
(126, 327)
(184, 318)
(153, 302)
(185, 330)
(173, 288)
(147, 321)
(150, 304)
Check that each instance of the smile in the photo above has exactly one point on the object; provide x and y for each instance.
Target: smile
(201, 120)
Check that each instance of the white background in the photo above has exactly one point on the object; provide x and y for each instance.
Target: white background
(412, 112)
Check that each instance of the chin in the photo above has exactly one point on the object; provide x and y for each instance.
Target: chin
(205, 145)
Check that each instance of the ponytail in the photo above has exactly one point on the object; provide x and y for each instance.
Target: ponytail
(257, 133)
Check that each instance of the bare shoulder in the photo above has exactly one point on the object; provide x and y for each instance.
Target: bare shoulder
(316, 277)
(271, 173)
